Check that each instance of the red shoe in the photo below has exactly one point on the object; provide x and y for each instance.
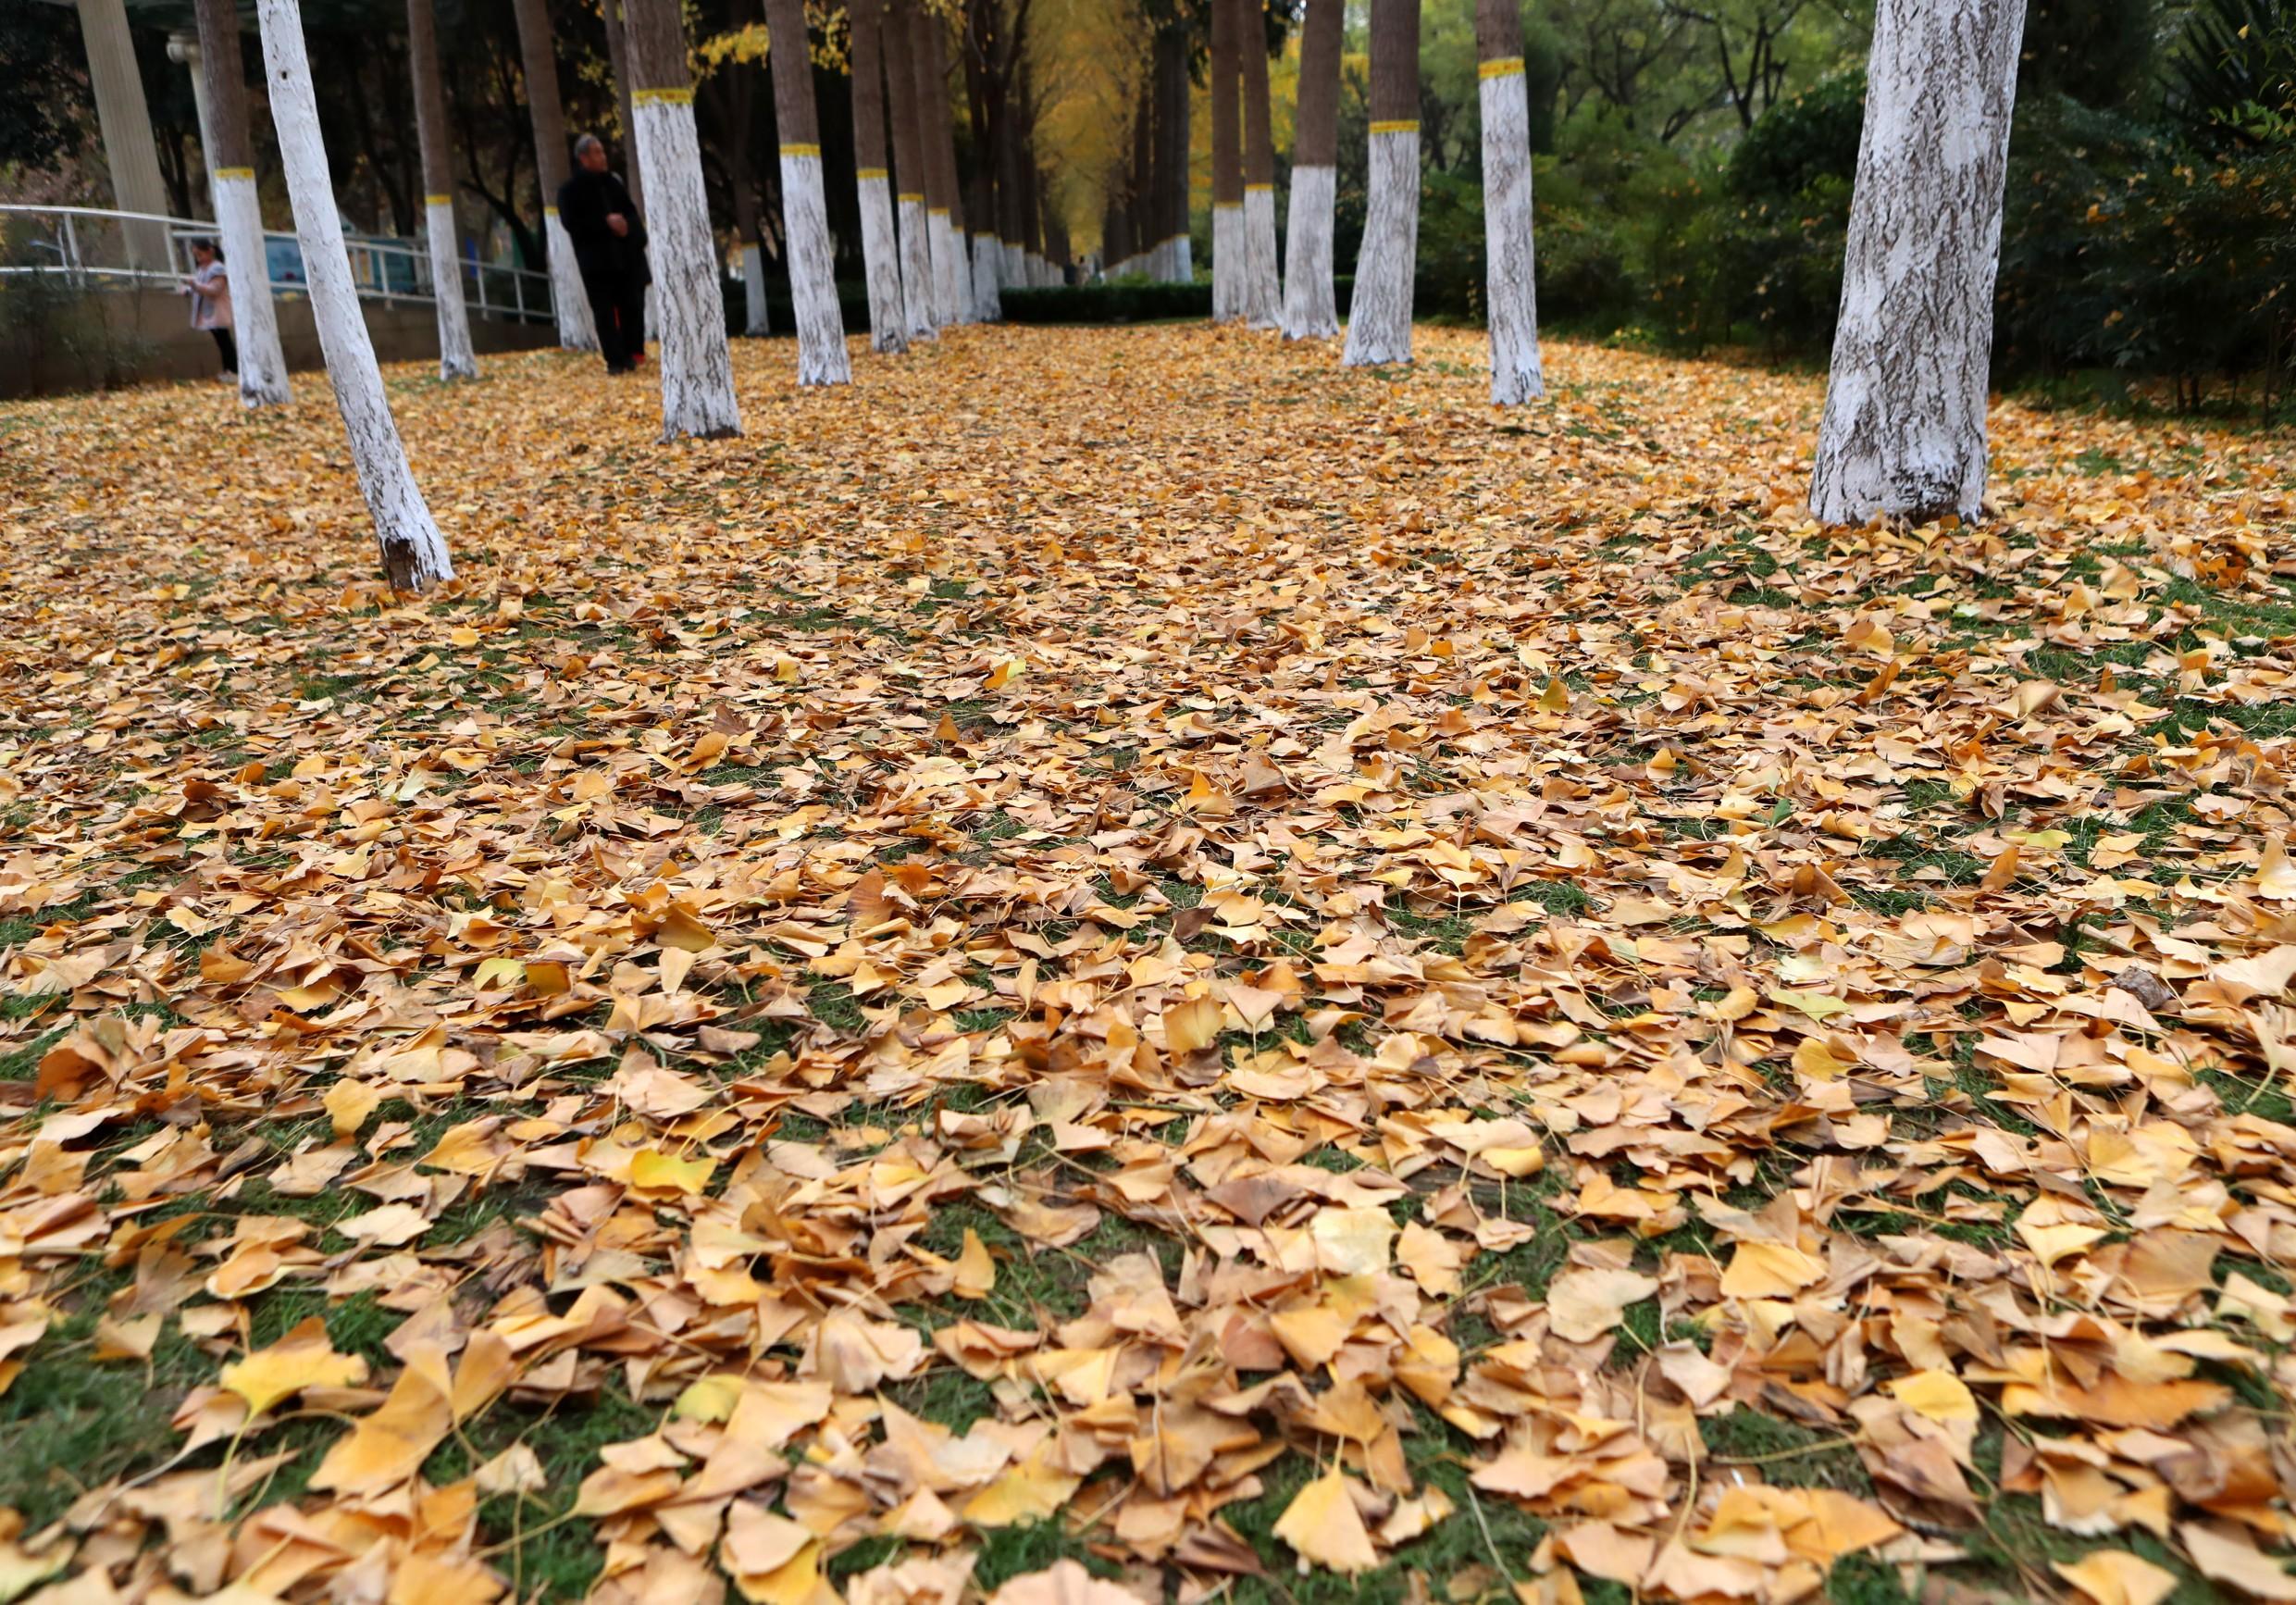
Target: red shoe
(639, 359)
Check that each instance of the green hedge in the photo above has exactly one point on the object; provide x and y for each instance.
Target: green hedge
(1124, 301)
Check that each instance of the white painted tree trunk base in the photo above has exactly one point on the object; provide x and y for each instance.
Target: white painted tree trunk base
(1227, 262)
(1263, 296)
(457, 357)
(880, 256)
(1904, 434)
(568, 300)
(916, 269)
(1183, 259)
(820, 354)
(1311, 311)
(948, 303)
(413, 555)
(1010, 264)
(1378, 316)
(255, 320)
(756, 320)
(687, 311)
(1510, 283)
(987, 305)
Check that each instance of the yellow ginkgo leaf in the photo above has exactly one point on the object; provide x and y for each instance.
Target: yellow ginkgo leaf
(976, 1273)
(1324, 1525)
(302, 1359)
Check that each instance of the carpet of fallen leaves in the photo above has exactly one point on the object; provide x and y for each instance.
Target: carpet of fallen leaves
(1116, 964)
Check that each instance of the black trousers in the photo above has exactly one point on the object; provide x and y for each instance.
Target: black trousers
(617, 306)
(228, 347)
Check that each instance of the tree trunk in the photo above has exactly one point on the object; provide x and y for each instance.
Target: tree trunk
(741, 178)
(821, 357)
(987, 254)
(910, 170)
(538, 52)
(1310, 309)
(880, 243)
(456, 358)
(239, 210)
(618, 59)
(697, 364)
(1139, 226)
(1904, 435)
(1173, 159)
(1227, 161)
(414, 556)
(951, 303)
(1263, 293)
(1011, 233)
(1509, 285)
(1379, 318)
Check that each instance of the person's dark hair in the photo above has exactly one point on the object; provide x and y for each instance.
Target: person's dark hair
(584, 142)
(212, 248)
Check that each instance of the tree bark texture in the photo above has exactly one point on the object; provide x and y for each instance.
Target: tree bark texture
(1379, 317)
(1263, 293)
(928, 56)
(1227, 160)
(457, 357)
(539, 54)
(616, 15)
(1511, 296)
(880, 239)
(688, 306)
(239, 210)
(413, 555)
(1311, 310)
(821, 358)
(1904, 434)
(908, 171)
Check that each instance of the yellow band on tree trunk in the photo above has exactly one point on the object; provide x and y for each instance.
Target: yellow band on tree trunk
(918, 198)
(1396, 125)
(802, 150)
(661, 97)
(235, 172)
(438, 200)
(868, 173)
(1504, 67)
(1250, 189)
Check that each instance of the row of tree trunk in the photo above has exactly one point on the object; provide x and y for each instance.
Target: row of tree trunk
(1903, 432)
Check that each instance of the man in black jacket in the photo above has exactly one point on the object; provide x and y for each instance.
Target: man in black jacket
(610, 248)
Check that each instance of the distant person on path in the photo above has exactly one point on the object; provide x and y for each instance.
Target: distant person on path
(210, 289)
(610, 248)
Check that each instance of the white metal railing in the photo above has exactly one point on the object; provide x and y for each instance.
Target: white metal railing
(91, 247)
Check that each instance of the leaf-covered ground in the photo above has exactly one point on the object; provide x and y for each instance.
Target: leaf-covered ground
(1119, 964)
